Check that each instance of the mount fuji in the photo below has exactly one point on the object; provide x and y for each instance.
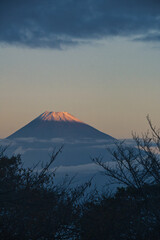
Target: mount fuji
(36, 141)
(58, 125)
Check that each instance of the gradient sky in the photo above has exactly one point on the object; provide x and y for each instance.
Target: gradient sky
(98, 61)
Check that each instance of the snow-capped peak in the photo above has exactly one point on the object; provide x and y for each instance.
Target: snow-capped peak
(58, 116)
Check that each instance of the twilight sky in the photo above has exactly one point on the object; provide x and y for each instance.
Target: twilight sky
(98, 60)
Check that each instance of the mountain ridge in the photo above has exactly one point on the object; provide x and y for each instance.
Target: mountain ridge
(50, 125)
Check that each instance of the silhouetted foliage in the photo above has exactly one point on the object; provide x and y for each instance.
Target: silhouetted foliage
(120, 217)
(135, 207)
(32, 207)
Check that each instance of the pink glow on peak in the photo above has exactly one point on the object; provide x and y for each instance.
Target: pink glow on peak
(58, 116)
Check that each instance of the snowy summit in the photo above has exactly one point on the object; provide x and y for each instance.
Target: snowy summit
(58, 116)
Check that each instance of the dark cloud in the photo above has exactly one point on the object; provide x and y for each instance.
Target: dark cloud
(56, 23)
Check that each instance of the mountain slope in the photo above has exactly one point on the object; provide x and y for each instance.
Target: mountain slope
(58, 125)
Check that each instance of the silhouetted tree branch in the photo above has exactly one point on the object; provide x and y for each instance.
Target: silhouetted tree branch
(137, 168)
(32, 206)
